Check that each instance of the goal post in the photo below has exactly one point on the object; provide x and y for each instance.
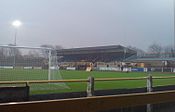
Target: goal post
(23, 63)
(49, 63)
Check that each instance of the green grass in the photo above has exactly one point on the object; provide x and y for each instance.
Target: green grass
(19, 74)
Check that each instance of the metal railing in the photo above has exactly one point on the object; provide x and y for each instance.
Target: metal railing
(91, 102)
(91, 81)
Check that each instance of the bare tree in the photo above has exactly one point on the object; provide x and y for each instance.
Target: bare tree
(33, 53)
(1, 52)
(13, 50)
(47, 46)
(168, 51)
(58, 47)
(155, 50)
(45, 52)
(140, 52)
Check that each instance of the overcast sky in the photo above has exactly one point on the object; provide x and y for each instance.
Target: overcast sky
(83, 23)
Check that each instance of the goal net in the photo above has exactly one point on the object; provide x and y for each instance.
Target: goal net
(19, 63)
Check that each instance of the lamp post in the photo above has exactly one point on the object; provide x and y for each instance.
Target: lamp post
(16, 24)
(174, 26)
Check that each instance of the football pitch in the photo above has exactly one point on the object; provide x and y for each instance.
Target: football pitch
(81, 86)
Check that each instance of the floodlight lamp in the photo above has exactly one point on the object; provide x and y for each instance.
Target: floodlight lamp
(16, 23)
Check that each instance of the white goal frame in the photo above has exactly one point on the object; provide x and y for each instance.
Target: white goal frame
(39, 48)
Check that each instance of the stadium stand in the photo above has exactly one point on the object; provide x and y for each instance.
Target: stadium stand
(96, 54)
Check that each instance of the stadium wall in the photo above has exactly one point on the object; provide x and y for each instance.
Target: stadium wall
(11, 94)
